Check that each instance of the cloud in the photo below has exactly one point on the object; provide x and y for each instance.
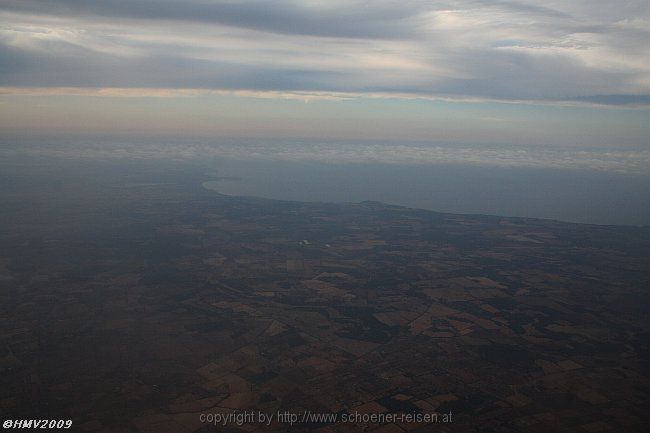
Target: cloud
(357, 20)
(581, 52)
(631, 161)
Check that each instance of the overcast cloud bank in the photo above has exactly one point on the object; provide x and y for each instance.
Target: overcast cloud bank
(581, 52)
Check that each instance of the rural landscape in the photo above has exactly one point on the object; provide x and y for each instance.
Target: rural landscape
(144, 304)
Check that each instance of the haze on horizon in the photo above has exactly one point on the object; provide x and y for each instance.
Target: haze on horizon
(542, 72)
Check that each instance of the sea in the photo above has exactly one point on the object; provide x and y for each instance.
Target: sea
(574, 184)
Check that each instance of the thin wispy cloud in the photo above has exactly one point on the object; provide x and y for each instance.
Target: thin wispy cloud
(630, 161)
(581, 52)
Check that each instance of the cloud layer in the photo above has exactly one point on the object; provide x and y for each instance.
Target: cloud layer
(583, 51)
(626, 160)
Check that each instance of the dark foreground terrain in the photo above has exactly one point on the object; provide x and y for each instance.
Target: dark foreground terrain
(134, 300)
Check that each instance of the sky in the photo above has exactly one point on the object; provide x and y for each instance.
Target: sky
(468, 71)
